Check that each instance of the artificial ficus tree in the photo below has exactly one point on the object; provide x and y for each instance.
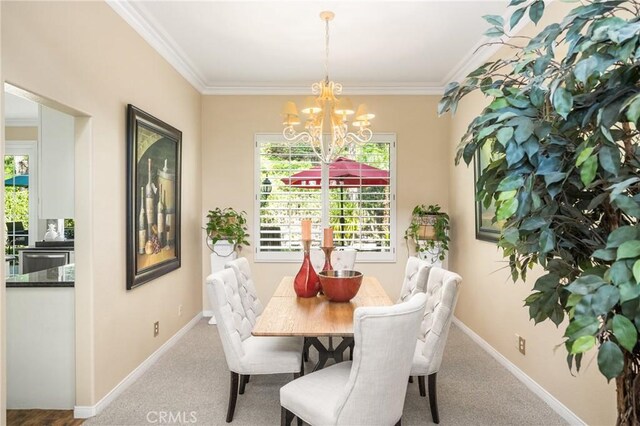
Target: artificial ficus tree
(562, 133)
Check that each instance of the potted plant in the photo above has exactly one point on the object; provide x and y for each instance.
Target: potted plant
(563, 129)
(226, 225)
(429, 230)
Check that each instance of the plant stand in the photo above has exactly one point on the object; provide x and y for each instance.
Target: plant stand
(222, 253)
(431, 255)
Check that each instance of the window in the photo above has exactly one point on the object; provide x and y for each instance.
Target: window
(361, 205)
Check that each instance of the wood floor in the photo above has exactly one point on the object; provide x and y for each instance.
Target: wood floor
(42, 418)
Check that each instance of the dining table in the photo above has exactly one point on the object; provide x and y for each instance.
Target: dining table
(286, 314)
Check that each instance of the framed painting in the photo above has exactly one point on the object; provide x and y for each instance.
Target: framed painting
(486, 229)
(153, 197)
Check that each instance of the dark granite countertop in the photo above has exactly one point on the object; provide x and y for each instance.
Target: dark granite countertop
(60, 276)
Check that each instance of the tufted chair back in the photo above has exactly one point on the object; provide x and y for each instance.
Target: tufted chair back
(233, 325)
(416, 274)
(385, 340)
(340, 259)
(442, 295)
(247, 289)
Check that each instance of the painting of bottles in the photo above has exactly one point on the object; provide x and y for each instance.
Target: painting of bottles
(153, 213)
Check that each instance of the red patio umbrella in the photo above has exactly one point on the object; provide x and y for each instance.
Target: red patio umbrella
(343, 173)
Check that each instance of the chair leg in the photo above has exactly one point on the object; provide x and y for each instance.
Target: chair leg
(299, 421)
(423, 392)
(248, 377)
(433, 399)
(286, 417)
(410, 379)
(399, 422)
(233, 395)
(244, 379)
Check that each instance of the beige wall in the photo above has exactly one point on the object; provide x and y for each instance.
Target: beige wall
(492, 305)
(228, 127)
(21, 133)
(83, 55)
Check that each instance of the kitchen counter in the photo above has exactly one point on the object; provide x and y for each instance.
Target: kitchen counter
(61, 276)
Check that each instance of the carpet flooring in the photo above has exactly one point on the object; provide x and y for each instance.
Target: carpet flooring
(189, 385)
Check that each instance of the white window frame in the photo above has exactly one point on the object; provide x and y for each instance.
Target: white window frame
(295, 256)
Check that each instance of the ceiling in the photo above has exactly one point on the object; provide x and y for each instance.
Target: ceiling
(262, 47)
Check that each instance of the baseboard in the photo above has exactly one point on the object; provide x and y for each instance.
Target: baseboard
(86, 411)
(533, 386)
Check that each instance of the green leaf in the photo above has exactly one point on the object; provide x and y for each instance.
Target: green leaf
(507, 209)
(496, 20)
(627, 205)
(636, 271)
(620, 235)
(510, 183)
(582, 326)
(629, 249)
(547, 241)
(511, 236)
(516, 17)
(629, 291)
(585, 284)
(494, 32)
(610, 360)
(584, 154)
(583, 344)
(562, 101)
(504, 135)
(536, 10)
(605, 254)
(532, 223)
(625, 332)
(610, 159)
(524, 130)
(633, 109)
(588, 170)
(604, 299)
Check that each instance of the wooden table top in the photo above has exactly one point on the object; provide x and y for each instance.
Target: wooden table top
(288, 315)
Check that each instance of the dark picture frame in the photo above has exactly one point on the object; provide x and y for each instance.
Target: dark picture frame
(154, 162)
(486, 230)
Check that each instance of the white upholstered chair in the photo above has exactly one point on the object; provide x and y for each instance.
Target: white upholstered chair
(416, 273)
(442, 295)
(370, 390)
(247, 289)
(341, 258)
(247, 354)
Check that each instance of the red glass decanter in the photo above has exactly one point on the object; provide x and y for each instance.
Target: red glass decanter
(306, 282)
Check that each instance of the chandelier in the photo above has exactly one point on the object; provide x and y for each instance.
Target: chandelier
(328, 126)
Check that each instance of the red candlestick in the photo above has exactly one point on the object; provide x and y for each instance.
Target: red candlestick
(306, 283)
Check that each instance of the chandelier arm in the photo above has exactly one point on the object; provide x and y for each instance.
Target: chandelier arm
(326, 47)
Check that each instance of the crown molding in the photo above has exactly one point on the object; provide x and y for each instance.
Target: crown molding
(264, 89)
(161, 43)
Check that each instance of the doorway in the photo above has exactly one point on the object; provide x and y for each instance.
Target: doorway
(74, 368)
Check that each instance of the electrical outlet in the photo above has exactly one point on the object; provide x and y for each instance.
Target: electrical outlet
(522, 344)
(156, 328)
(179, 310)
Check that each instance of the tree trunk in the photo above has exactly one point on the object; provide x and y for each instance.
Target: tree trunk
(628, 390)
